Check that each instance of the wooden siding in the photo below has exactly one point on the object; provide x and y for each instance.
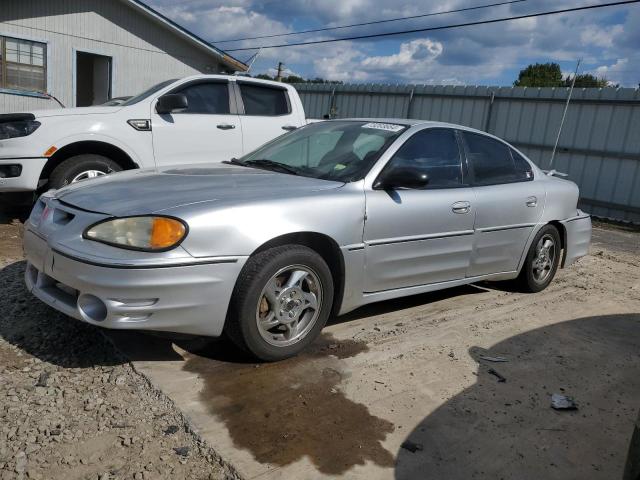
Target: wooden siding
(143, 51)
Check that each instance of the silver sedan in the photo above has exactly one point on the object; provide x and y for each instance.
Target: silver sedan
(318, 222)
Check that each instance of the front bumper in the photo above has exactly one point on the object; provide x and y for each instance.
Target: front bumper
(28, 179)
(190, 299)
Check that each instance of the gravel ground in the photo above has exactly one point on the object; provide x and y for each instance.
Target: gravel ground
(71, 407)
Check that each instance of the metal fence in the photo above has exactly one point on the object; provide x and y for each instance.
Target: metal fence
(599, 147)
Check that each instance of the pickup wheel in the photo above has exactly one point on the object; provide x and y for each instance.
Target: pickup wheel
(542, 260)
(280, 303)
(81, 167)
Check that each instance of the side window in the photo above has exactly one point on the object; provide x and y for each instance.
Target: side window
(491, 160)
(434, 152)
(206, 98)
(523, 168)
(265, 101)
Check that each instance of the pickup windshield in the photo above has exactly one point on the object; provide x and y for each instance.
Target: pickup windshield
(148, 92)
(342, 151)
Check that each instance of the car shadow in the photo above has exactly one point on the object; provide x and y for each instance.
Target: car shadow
(508, 429)
(11, 212)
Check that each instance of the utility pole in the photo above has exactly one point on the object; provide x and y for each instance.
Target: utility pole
(279, 75)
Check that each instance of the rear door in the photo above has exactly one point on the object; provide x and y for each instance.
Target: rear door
(266, 113)
(509, 203)
(422, 236)
(207, 131)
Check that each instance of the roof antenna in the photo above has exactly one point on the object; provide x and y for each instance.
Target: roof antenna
(564, 114)
(251, 60)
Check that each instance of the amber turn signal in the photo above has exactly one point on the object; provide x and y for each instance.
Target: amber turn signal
(166, 232)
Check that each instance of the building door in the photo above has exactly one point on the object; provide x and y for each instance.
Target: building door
(93, 79)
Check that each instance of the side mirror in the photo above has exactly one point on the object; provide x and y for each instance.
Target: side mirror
(171, 102)
(401, 178)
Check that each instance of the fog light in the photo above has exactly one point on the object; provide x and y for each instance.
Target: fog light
(92, 307)
(10, 171)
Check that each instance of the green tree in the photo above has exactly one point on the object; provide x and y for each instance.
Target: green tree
(586, 80)
(540, 75)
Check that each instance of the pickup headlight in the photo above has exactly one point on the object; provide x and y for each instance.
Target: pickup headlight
(20, 128)
(148, 233)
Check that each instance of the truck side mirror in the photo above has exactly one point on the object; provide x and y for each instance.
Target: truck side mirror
(171, 102)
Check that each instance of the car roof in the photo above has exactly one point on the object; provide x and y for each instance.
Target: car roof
(413, 122)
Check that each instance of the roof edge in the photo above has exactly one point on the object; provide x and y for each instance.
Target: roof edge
(225, 57)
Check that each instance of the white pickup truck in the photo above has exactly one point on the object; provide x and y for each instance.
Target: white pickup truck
(202, 118)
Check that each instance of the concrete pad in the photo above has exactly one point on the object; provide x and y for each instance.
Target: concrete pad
(400, 389)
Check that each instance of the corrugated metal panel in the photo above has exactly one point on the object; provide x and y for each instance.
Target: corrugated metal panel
(599, 147)
(143, 52)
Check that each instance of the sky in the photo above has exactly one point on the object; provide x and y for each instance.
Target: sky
(607, 40)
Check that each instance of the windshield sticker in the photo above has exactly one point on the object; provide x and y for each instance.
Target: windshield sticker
(389, 127)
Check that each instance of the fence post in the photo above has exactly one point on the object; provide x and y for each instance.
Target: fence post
(409, 103)
(489, 110)
(332, 104)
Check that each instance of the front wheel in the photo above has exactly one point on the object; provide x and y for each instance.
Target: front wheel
(81, 167)
(281, 302)
(542, 260)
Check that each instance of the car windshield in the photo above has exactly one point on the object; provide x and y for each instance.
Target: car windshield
(342, 151)
(148, 92)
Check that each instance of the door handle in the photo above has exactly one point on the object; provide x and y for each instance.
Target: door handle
(226, 126)
(532, 202)
(461, 207)
(289, 127)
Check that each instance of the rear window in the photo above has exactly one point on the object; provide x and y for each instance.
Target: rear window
(265, 101)
(492, 161)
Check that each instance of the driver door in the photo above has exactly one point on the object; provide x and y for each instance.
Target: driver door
(206, 131)
(423, 236)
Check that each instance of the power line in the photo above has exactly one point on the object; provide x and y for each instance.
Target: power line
(442, 27)
(375, 22)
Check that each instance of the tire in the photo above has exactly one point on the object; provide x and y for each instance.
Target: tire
(533, 278)
(262, 295)
(74, 167)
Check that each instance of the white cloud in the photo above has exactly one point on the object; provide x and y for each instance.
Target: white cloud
(415, 52)
(605, 39)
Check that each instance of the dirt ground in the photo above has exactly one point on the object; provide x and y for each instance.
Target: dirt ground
(401, 389)
(71, 407)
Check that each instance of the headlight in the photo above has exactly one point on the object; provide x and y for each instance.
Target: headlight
(151, 234)
(20, 128)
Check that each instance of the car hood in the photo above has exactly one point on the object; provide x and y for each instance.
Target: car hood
(138, 192)
(99, 110)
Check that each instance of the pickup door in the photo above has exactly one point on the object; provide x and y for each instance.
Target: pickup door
(267, 112)
(206, 131)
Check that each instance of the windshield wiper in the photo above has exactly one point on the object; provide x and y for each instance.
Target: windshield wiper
(271, 165)
(235, 161)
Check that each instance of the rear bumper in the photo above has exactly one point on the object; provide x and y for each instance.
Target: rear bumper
(29, 176)
(578, 238)
(190, 299)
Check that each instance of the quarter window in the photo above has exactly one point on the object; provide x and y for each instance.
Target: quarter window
(206, 98)
(492, 161)
(23, 64)
(435, 153)
(265, 101)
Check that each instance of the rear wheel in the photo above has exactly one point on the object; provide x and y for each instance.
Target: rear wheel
(542, 260)
(281, 302)
(81, 167)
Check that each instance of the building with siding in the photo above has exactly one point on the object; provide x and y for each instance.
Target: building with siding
(84, 52)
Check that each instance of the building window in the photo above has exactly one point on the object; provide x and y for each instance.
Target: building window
(23, 64)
